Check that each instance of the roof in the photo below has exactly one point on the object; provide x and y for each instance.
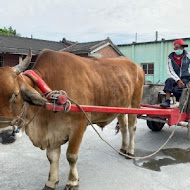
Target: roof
(150, 42)
(67, 42)
(85, 47)
(88, 47)
(20, 45)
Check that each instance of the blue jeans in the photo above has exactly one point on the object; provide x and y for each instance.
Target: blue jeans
(171, 86)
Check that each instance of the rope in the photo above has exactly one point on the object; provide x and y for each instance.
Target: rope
(20, 121)
(126, 155)
(53, 95)
(34, 116)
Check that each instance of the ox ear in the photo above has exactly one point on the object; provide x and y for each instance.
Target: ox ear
(30, 95)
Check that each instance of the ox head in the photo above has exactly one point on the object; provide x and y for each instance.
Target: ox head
(14, 91)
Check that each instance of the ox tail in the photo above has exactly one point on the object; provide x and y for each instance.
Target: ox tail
(117, 128)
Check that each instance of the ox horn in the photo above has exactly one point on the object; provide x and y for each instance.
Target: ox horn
(23, 64)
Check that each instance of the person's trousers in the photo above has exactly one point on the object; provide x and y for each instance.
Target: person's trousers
(171, 86)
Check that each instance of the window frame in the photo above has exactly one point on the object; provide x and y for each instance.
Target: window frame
(148, 70)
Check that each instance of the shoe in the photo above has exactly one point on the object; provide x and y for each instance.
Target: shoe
(166, 104)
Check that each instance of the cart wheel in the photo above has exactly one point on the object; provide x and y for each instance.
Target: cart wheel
(155, 126)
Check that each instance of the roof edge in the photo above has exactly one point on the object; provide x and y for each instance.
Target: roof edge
(108, 42)
(28, 38)
(150, 42)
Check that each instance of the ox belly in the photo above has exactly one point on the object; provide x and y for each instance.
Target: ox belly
(102, 119)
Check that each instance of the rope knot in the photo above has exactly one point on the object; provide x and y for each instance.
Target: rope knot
(59, 97)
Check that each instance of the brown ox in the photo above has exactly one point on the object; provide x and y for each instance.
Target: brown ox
(102, 82)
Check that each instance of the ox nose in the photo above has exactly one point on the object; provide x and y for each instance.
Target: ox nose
(7, 136)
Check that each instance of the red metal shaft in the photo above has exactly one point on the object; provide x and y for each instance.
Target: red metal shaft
(104, 109)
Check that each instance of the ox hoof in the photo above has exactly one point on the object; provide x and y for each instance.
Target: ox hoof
(123, 151)
(69, 187)
(129, 155)
(47, 188)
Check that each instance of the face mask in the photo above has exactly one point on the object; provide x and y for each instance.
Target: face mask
(178, 52)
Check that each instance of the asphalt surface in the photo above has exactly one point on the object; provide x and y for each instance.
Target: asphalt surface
(25, 167)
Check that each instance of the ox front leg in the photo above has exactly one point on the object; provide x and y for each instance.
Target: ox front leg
(132, 119)
(123, 128)
(73, 180)
(72, 156)
(53, 156)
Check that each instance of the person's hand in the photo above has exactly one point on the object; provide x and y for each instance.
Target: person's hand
(180, 83)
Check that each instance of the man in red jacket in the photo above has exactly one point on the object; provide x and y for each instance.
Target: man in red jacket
(178, 68)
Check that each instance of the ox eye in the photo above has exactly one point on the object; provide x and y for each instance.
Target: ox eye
(15, 95)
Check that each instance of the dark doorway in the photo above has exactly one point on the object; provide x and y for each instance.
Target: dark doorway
(1, 61)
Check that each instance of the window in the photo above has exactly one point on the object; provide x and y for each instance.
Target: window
(1, 61)
(148, 68)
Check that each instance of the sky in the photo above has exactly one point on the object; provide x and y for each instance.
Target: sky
(82, 20)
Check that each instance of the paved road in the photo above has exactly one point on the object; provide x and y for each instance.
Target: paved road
(25, 167)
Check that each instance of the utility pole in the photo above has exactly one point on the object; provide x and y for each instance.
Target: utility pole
(136, 37)
(156, 35)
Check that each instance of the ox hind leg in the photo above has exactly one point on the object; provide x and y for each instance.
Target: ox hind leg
(132, 118)
(75, 140)
(53, 156)
(122, 120)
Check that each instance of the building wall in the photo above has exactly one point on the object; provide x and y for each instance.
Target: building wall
(108, 52)
(12, 60)
(156, 53)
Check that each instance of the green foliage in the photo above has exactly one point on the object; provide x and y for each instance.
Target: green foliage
(9, 31)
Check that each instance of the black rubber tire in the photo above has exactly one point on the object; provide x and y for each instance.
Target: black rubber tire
(155, 126)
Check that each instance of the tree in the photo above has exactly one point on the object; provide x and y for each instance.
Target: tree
(9, 31)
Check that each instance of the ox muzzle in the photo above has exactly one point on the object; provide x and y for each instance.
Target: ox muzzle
(7, 132)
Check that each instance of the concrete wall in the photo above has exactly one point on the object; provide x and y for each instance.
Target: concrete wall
(150, 93)
(156, 53)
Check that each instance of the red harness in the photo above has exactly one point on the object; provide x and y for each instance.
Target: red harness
(53, 96)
